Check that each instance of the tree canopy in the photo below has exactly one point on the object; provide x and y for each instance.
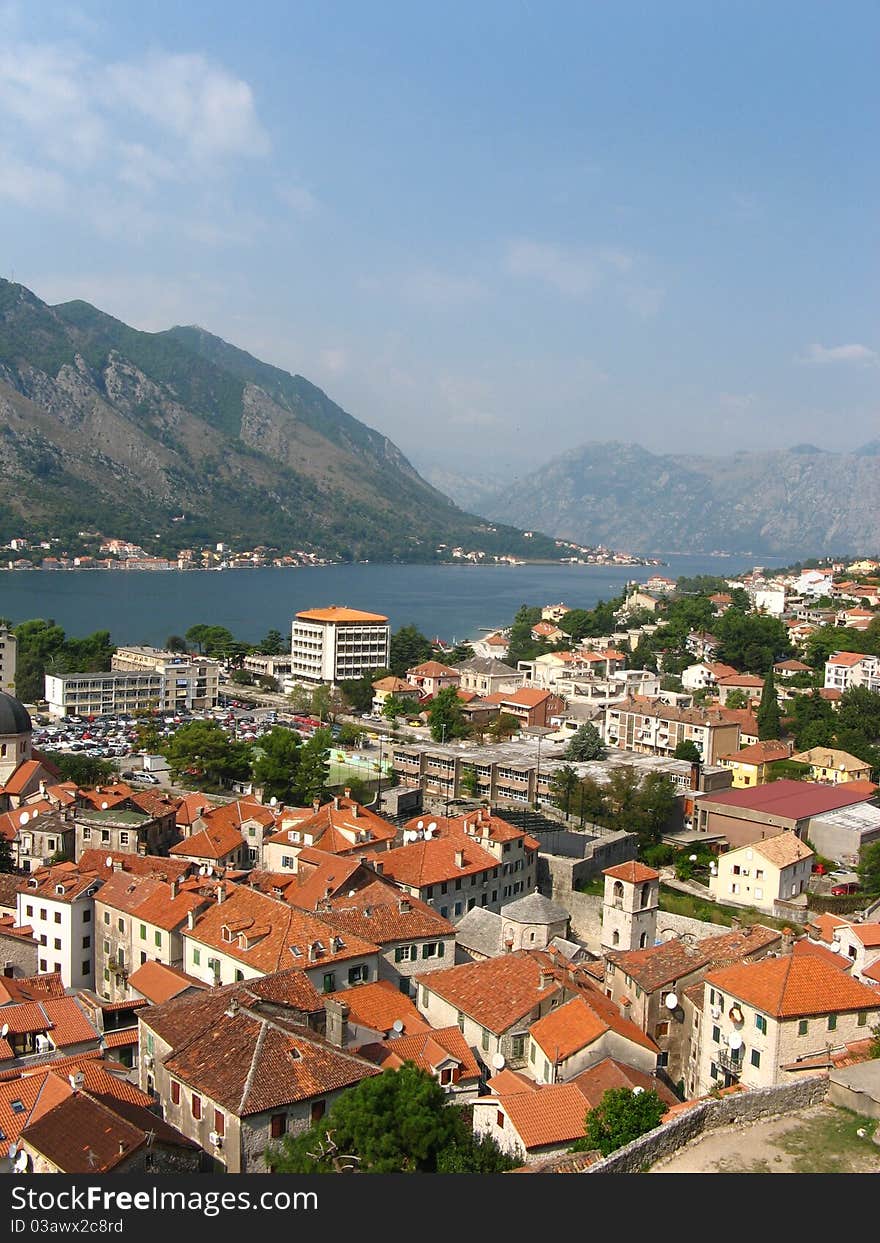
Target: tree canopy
(622, 1115)
(585, 744)
(397, 1122)
(409, 647)
(445, 716)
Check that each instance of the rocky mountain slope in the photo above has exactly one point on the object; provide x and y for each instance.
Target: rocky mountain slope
(800, 501)
(109, 428)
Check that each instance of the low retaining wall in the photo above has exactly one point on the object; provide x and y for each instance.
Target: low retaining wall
(711, 1115)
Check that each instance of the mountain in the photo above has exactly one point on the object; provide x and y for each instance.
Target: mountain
(801, 501)
(106, 427)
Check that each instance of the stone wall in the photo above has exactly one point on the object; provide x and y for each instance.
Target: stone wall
(586, 921)
(19, 956)
(737, 1109)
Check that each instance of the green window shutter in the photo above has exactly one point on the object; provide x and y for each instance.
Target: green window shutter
(441, 949)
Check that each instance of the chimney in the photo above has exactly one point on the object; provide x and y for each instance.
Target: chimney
(355, 810)
(221, 892)
(625, 1006)
(336, 802)
(190, 920)
(787, 940)
(378, 867)
(232, 1008)
(545, 979)
(695, 774)
(336, 1014)
(316, 805)
(363, 860)
(347, 791)
(735, 923)
(174, 888)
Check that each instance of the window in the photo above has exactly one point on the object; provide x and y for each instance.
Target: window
(158, 939)
(532, 1053)
(444, 911)
(143, 957)
(457, 908)
(143, 932)
(460, 1021)
(755, 1058)
(239, 975)
(484, 1040)
(317, 1111)
(175, 1092)
(86, 968)
(472, 902)
(197, 956)
(832, 1022)
(329, 981)
(277, 1125)
(803, 1027)
(716, 1034)
(123, 839)
(759, 893)
(429, 892)
(122, 925)
(43, 939)
(29, 911)
(444, 888)
(196, 1106)
(358, 973)
(761, 1024)
(87, 916)
(499, 1120)
(106, 947)
(458, 883)
(862, 1019)
(446, 1075)
(107, 917)
(58, 943)
(219, 1122)
(713, 1070)
(519, 1046)
(57, 917)
(424, 996)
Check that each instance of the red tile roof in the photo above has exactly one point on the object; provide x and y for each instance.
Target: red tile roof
(158, 982)
(379, 1006)
(609, 1073)
(497, 992)
(429, 1050)
(633, 872)
(794, 800)
(31, 988)
(84, 1134)
(545, 1116)
(216, 843)
(794, 986)
(134, 865)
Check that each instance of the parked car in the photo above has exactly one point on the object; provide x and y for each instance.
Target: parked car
(840, 891)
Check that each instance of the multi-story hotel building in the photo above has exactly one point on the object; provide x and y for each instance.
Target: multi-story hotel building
(335, 644)
(142, 679)
(189, 682)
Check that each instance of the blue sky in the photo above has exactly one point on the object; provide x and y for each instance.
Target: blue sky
(494, 231)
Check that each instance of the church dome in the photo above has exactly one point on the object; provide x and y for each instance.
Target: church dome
(14, 718)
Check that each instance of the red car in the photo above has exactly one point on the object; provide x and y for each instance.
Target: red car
(840, 891)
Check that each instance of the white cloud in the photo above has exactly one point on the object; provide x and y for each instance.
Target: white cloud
(299, 198)
(574, 272)
(199, 103)
(823, 354)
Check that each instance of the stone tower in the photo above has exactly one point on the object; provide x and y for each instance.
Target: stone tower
(629, 908)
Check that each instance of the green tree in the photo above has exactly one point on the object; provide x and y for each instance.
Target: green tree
(396, 706)
(445, 716)
(397, 1122)
(267, 683)
(300, 697)
(504, 725)
(768, 716)
(585, 744)
(470, 783)
(655, 804)
(409, 647)
(85, 770)
(358, 692)
(242, 677)
(205, 749)
(563, 785)
(736, 699)
(314, 768)
(214, 641)
(521, 644)
(687, 749)
(276, 766)
(272, 644)
(622, 1115)
(456, 655)
(350, 735)
(869, 868)
(751, 641)
(319, 703)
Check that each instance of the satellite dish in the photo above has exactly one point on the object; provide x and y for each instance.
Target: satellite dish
(734, 1041)
(24, 817)
(637, 1091)
(420, 825)
(13, 1150)
(498, 1061)
(108, 862)
(693, 858)
(671, 1001)
(104, 806)
(21, 1162)
(397, 1026)
(432, 827)
(213, 1137)
(4, 1031)
(834, 947)
(273, 801)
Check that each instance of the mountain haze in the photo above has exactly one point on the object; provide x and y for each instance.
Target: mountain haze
(799, 501)
(103, 426)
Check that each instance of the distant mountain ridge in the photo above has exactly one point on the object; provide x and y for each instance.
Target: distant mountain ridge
(103, 426)
(801, 501)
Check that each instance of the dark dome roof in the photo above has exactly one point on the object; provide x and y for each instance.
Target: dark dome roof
(14, 717)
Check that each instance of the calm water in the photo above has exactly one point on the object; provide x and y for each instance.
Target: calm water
(451, 601)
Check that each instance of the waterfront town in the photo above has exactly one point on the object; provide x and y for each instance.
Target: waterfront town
(606, 880)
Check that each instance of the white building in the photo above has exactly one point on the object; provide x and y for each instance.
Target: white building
(335, 644)
(103, 694)
(763, 873)
(846, 669)
(190, 683)
(58, 903)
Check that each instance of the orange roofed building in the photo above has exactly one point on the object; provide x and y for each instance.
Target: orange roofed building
(335, 644)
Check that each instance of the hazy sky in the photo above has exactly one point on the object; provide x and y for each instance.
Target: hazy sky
(491, 230)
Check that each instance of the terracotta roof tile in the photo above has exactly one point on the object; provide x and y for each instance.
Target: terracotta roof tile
(379, 1005)
(87, 1135)
(498, 992)
(551, 1115)
(158, 982)
(633, 872)
(609, 1073)
(794, 986)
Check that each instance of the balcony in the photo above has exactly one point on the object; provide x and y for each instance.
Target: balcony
(730, 1062)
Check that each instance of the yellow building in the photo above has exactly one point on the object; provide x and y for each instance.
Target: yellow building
(751, 765)
(830, 764)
